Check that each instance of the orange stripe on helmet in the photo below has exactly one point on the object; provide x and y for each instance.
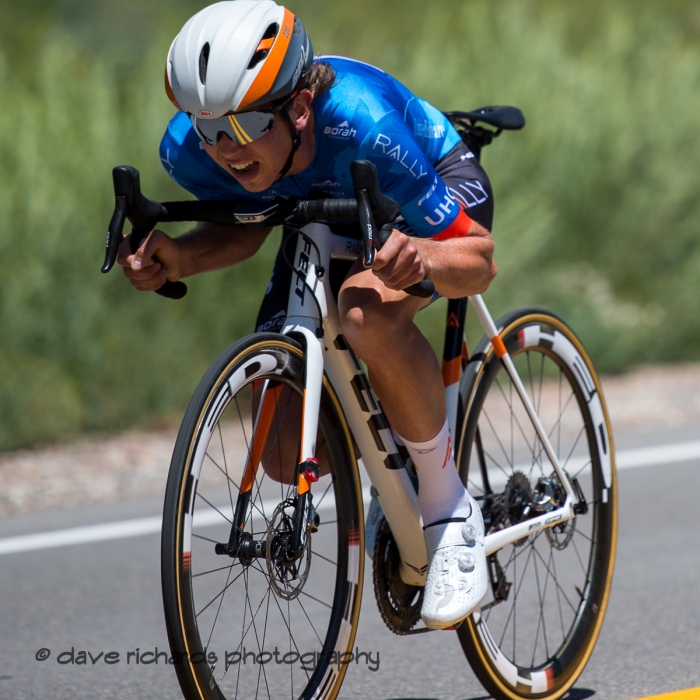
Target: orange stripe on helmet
(270, 67)
(169, 90)
(265, 44)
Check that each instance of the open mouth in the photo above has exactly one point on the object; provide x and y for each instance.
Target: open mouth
(242, 168)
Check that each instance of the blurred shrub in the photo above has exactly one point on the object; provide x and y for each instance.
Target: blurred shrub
(597, 207)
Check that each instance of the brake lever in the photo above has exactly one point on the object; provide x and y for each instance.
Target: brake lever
(143, 214)
(366, 227)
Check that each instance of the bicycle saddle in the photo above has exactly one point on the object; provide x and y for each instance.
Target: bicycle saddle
(502, 117)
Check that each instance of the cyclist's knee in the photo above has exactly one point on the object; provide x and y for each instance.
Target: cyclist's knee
(367, 321)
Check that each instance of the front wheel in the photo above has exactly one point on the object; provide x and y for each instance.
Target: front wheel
(540, 620)
(262, 618)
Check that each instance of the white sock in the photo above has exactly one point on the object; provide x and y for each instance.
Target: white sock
(441, 493)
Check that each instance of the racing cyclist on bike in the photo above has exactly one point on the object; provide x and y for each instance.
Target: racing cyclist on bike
(261, 118)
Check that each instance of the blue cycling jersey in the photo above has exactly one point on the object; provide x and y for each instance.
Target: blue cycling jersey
(366, 115)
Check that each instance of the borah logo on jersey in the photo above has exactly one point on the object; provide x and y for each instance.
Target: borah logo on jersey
(342, 131)
(326, 183)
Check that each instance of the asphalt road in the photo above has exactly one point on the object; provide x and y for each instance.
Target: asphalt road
(105, 597)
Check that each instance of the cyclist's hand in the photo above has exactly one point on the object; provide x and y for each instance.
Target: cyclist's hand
(399, 263)
(156, 260)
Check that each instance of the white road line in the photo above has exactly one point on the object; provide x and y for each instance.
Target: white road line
(626, 459)
(122, 529)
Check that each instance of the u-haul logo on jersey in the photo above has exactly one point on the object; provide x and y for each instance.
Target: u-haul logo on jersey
(342, 131)
(443, 209)
(401, 156)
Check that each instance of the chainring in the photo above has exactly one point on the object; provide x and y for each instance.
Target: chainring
(399, 603)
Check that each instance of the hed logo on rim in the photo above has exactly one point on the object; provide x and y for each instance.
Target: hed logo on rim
(206, 114)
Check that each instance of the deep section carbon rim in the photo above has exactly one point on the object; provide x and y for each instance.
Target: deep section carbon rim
(541, 617)
(264, 622)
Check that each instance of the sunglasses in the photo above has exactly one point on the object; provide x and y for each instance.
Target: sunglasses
(242, 128)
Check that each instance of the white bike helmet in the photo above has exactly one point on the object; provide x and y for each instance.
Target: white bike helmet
(236, 56)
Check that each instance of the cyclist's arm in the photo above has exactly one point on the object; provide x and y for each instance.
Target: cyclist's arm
(457, 267)
(207, 247)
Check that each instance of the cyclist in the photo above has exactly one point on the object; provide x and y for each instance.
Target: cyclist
(260, 117)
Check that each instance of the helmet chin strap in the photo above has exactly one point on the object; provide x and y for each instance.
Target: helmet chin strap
(296, 142)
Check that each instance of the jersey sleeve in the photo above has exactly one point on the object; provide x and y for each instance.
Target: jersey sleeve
(406, 175)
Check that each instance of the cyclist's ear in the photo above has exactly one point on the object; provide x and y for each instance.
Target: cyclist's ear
(300, 109)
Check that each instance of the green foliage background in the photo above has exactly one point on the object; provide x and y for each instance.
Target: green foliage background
(598, 199)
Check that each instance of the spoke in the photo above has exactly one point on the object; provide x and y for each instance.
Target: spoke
(561, 383)
(228, 585)
(211, 571)
(211, 505)
(223, 454)
(556, 583)
(557, 426)
(541, 594)
(257, 638)
(512, 412)
(584, 535)
(291, 638)
(488, 455)
(308, 595)
(330, 483)
(484, 413)
(240, 420)
(515, 598)
(561, 614)
(580, 561)
(301, 605)
(218, 610)
(315, 553)
(573, 447)
(589, 463)
(223, 471)
(202, 537)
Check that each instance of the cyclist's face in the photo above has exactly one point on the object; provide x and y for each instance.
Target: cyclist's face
(256, 166)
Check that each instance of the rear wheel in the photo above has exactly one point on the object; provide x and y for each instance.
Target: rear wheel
(541, 618)
(263, 620)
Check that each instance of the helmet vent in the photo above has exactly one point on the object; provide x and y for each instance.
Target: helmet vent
(265, 45)
(203, 61)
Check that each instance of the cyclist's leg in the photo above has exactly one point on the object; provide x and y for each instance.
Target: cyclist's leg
(379, 324)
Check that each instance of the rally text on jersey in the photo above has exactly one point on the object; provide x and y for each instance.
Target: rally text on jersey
(397, 154)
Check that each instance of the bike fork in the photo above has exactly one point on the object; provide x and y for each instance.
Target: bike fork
(239, 543)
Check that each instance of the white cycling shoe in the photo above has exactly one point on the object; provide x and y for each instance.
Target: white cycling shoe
(457, 574)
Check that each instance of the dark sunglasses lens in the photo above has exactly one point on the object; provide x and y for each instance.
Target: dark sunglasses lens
(251, 125)
(242, 128)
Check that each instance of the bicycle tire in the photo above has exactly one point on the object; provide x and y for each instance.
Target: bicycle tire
(200, 499)
(537, 626)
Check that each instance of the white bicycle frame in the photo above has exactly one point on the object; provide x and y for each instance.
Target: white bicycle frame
(311, 307)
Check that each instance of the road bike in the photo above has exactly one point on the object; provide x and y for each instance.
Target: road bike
(263, 527)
